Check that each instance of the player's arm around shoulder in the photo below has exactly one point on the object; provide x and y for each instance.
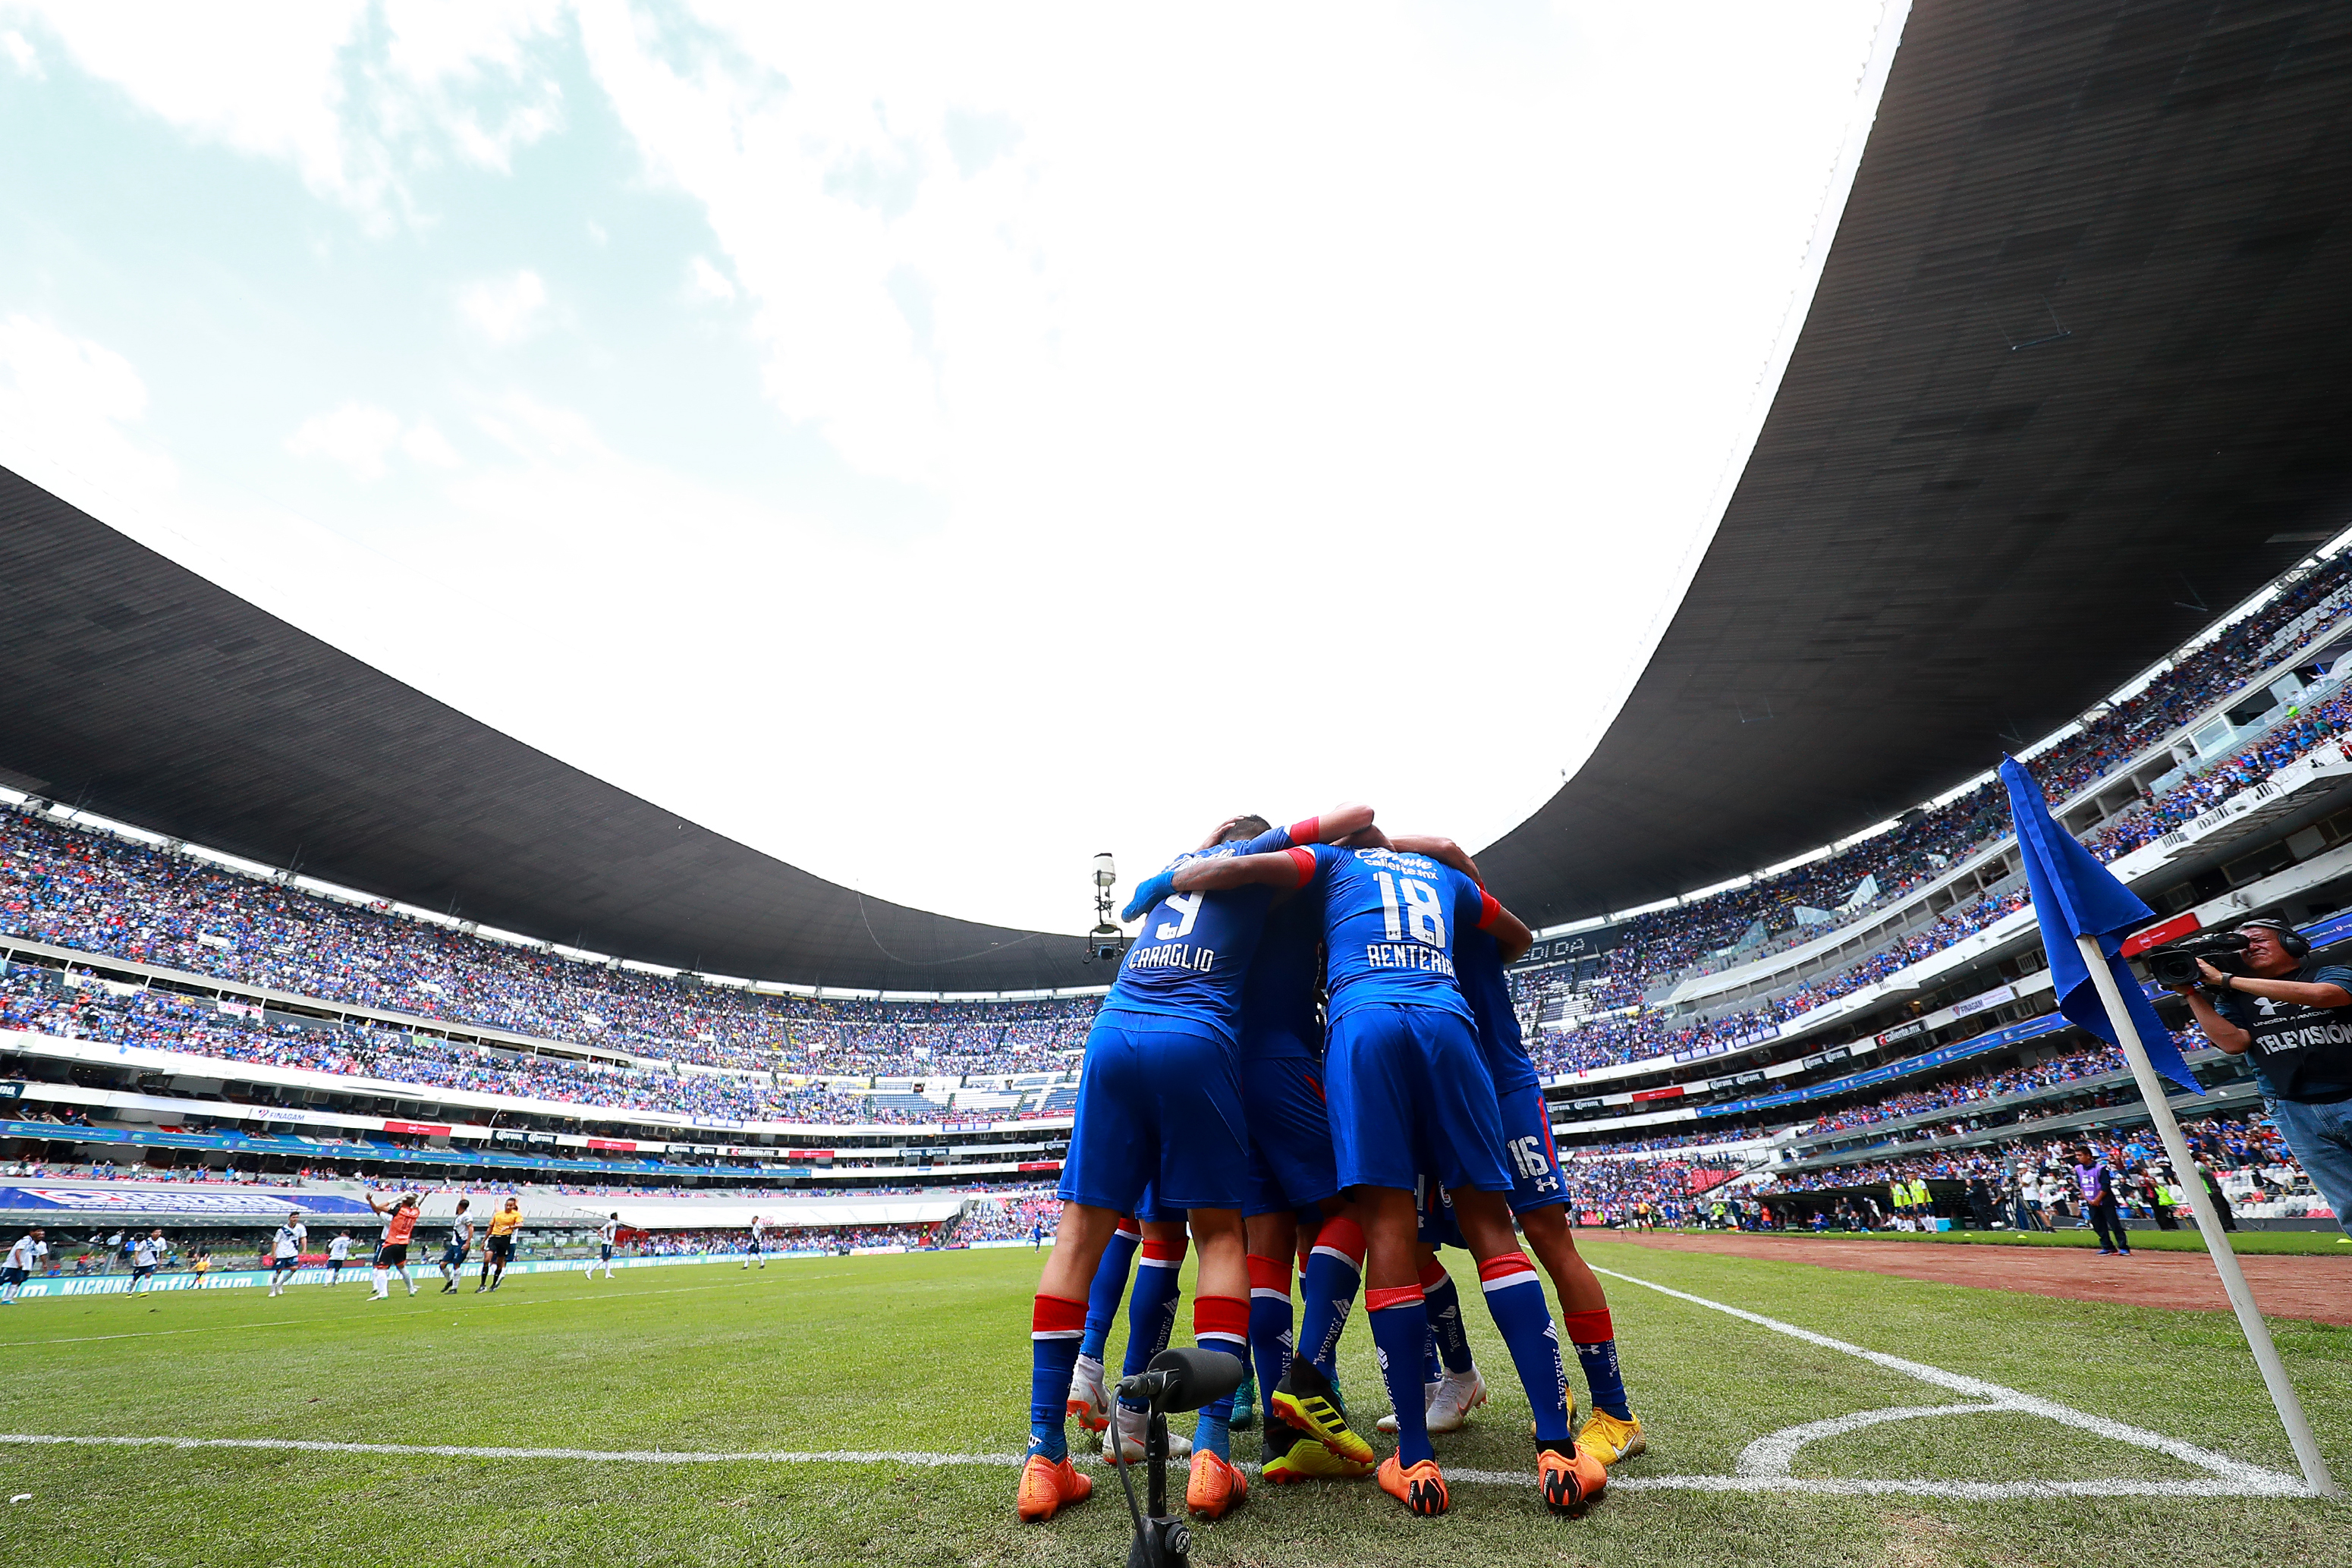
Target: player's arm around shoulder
(1511, 935)
(1281, 869)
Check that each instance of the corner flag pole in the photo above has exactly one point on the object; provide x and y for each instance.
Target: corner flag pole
(2209, 1225)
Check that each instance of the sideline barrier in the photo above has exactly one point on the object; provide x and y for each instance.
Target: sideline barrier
(357, 1272)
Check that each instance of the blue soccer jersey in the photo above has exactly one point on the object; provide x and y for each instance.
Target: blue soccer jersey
(1390, 923)
(1193, 953)
(1478, 969)
(1280, 1019)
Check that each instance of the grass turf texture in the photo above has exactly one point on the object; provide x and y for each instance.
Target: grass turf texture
(2330, 1243)
(930, 1353)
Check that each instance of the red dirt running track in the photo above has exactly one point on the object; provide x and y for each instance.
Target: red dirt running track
(2285, 1286)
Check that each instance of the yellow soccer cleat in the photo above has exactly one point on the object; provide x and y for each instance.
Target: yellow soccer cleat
(1047, 1486)
(1309, 1460)
(1608, 1439)
(1308, 1407)
(1421, 1489)
(1215, 1487)
(1570, 1482)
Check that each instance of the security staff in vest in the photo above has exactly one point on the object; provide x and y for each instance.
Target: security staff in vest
(2292, 1016)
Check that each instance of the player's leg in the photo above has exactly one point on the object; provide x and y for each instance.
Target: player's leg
(1539, 1203)
(1466, 1128)
(1112, 1138)
(1612, 1432)
(1089, 1401)
(1272, 1238)
(1221, 1324)
(1202, 1167)
(1151, 1309)
(382, 1273)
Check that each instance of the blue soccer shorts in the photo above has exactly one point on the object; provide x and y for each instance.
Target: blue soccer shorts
(1292, 1166)
(1408, 1094)
(1536, 1179)
(1160, 1106)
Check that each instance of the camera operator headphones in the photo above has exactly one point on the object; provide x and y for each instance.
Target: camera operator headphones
(2288, 936)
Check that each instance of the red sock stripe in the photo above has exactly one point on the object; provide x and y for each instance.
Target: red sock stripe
(1165, 1251)
(1433, 1274)
(1058, 1314)
(1502, 1266)
(1384, 1298)
(1589, 1328)
(1306, 1251)
(1225, 1315)
(1129, 1228)
(1342, 1236)
(1269, 1273)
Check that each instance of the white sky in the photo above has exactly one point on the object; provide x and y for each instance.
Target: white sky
(876, 431)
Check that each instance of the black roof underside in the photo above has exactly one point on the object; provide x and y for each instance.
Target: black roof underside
(137, 689)
(2077, 377)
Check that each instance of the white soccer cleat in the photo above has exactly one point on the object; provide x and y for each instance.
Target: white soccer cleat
(1123, 1444)
(1388, 1423)
(1089, 1401)
(1457, 1395)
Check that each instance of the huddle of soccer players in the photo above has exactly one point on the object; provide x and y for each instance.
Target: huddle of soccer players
(1310, 1048)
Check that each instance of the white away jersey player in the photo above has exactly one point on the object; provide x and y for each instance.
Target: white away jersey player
(287, 1242)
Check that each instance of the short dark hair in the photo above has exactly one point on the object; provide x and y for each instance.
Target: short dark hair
(1245, 828)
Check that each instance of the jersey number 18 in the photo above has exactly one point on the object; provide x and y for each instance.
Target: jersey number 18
(1422, 910)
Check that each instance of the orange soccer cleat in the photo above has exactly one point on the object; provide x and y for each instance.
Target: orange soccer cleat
(1570, 1481)
(1419, 1489)
(1215, 1488)
(1046, 1486)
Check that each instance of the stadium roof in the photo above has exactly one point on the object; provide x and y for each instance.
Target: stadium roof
(2076, 379)
(138, 690)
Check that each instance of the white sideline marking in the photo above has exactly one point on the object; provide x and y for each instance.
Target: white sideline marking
(2241, 1479)
(1973, 1491)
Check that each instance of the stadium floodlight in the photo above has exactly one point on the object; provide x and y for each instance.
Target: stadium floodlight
(1106, 942)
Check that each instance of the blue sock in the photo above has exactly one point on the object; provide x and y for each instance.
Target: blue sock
(1399, 1328)
(1269, 1327)
(1514, 1295)
(1056, 1326)
(1219, 1324)
(1432, 1369)
(1328, 1291)
(1151, 1306)
(1111, 1284)
(1595, 1339)
(1452, 1341)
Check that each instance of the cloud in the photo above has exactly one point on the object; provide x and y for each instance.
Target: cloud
(505, 310)
(354, 109)
(427, 445)
(63, 403)
(356, 436)
(705, 281)
(21, 54)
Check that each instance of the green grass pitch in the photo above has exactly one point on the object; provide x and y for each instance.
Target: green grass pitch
(930, 1355)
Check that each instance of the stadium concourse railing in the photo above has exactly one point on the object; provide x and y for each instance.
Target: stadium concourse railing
(2325, 770)
(2211, 736)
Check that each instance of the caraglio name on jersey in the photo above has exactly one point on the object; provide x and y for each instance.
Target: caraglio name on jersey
(1174, 956)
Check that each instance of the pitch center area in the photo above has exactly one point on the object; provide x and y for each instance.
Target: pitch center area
(825, 1410)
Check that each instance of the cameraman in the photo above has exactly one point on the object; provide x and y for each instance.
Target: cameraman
(2289, 1014)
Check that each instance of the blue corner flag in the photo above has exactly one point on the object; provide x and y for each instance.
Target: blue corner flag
(2074, 895)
